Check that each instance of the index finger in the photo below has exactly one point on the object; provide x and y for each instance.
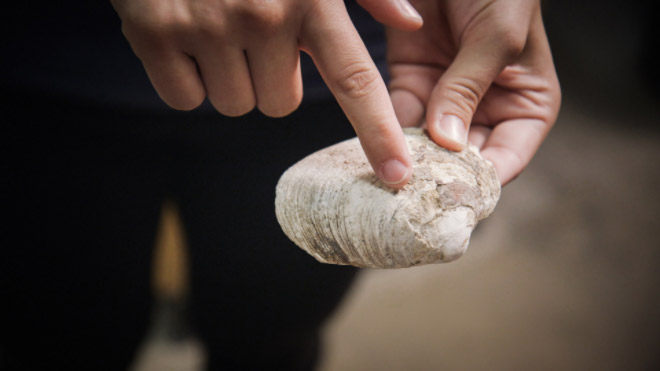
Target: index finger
(334, 44)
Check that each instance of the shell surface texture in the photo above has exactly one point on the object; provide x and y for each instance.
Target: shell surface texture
(333, 206)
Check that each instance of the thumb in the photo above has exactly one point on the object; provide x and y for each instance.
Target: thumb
(394, 13)
(457, 94)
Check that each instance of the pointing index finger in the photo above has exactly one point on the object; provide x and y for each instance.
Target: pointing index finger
(347, 68)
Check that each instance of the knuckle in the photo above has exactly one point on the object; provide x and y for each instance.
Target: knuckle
(358, 80)
(511, 39)
(144, 38)
(465, 93)
(512, 43)
(262, 14)
(208, 20)
(546, 102)
(141, 26)
(210, 24)
(556, 97)
(155, 27)
(209, 30)
(548, 110)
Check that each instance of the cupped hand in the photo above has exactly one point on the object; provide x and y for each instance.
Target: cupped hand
(245, 53)
(478, 71)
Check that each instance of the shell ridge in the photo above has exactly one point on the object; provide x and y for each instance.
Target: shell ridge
(331, 205)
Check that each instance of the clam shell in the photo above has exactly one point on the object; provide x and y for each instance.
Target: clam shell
(333, 206)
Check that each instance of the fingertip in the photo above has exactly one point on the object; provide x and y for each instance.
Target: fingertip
(413, 20)
(478, 134)
(235, 110)
(284, 107)
(176, 80)
(385, 147)
(449, 132)
(279, 112)
(507, 164)
(395, 173)
(409, 109)
(187, 103)
(399, 14)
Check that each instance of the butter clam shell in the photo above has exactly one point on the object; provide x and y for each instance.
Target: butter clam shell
(333, 206)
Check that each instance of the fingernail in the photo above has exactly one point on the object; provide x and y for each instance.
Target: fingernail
(453, 128)
(393, 172)
(409, 9)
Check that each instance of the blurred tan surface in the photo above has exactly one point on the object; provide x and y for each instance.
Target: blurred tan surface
(563, 276)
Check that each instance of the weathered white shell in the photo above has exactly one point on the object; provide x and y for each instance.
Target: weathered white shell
(333, 206)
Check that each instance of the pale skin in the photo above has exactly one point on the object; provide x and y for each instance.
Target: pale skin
(467, 70)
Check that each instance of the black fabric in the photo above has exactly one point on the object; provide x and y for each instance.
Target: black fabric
(91, 152)
(87, 187)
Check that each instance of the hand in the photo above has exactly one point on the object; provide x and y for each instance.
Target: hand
(477, 70)
(245, 53)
